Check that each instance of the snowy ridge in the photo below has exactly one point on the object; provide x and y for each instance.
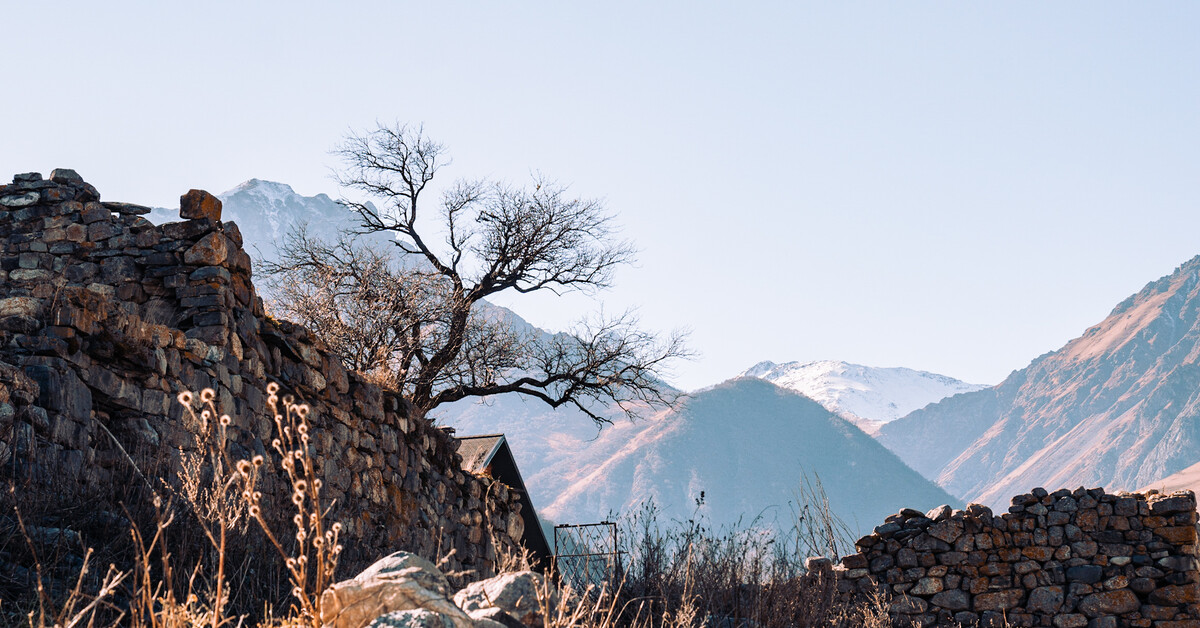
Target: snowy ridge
(868, 396)
(265, 211)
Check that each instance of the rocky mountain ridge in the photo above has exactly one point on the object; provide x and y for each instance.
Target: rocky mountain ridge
(1118, 407)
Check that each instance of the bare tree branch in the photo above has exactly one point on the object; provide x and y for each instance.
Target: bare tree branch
(416, 318)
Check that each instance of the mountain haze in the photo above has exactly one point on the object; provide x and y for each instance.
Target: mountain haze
(1117, 407)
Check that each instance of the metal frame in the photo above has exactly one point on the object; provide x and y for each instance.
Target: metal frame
(586, 555)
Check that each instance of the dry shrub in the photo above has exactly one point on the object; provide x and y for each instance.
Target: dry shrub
(217, 499)
(687, 573)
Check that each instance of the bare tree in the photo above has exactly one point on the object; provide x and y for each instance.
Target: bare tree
(416, 317)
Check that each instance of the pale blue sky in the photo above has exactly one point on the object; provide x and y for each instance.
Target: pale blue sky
(953, 187)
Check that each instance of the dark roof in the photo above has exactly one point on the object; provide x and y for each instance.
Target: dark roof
(477, 451)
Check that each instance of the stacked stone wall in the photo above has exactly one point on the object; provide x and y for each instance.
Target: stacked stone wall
(105, 318)
(1068, 559)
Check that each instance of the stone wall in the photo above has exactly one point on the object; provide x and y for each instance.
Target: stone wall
(105, 318)
(1069, 559)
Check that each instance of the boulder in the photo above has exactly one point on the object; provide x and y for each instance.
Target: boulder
(517, 594)
(417, 618)
(398, 582)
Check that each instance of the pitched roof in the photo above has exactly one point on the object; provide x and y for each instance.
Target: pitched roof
(478, 451)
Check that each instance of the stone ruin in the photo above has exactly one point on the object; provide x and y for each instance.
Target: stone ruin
(105, 318)
(1067, 559)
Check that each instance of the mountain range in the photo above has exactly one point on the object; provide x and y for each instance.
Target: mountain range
(739, 449)
(1117, 407)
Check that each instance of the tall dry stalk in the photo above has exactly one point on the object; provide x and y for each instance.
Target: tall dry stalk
(209, 485)
(313, 562)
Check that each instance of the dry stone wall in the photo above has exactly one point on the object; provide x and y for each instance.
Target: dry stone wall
(1068, 559)
(105, 318)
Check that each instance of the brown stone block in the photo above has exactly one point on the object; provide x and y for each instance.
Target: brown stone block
(1179, 535)
(199, 204)
(1007, 599)
(1176, 595)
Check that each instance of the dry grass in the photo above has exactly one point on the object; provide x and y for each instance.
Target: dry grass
(216, 499)
(686, 574)
(192, 549)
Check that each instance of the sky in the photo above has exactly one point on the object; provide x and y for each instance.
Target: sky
(953, 187)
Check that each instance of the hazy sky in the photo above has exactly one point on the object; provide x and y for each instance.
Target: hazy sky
(946, 186)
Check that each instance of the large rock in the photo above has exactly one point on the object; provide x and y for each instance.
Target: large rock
(517, 594)
(199, 204)
(399, 582)
(210, 250)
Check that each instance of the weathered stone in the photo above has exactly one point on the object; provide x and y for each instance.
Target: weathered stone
(1116, 602)
(952, 599)
(908, 605)
(199, 204)
(127, 209)
(947, 531)
(65, 176)
(1176, 594)
(210, 250)
(20, 306)
(1047, 600)
(1004, 600)
(939, 513)
(1070, 620)
(1179, 535)
(927, 586)
(1087, 574)
(517, 594)
(14, 201)
(399, 582)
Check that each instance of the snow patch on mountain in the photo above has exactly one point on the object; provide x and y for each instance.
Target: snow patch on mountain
(867, 396)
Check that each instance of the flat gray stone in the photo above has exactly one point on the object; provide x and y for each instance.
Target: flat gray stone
(19, 200)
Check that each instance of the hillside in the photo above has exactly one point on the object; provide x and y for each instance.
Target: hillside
(745, 443)
(1116, 407)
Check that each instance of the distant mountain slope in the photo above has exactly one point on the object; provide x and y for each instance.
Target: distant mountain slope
(865, 395)
(745, 443)
(1117, 407)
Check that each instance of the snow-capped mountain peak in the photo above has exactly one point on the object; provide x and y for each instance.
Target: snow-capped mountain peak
(866, 395)
(266, 210)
